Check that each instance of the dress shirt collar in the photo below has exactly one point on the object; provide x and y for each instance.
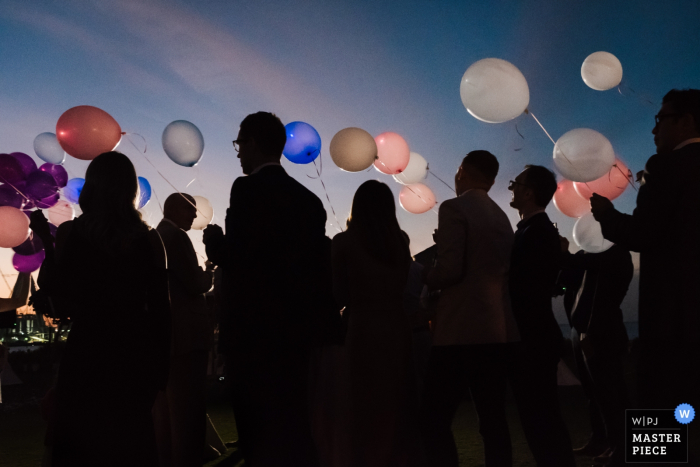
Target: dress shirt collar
(687, 142)
(526, 220)
(165, 219)
(267, 164)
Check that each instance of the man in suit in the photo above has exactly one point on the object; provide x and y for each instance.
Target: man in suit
(473, 326)
(533, 273)
(272, 257)
(664, 228)
(180, 411)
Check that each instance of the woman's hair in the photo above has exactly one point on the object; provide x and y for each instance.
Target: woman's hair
(108, 202)
(373, 219)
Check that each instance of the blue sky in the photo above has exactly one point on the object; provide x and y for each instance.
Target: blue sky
(382, 66)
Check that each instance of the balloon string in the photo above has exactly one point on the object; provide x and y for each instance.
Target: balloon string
(15, 188)
(339, 227)
(6, 283)
(627, 175)
(158, 200)
(445, 183)
(521, 136)
(645, 100)
(420, 197)
(317, 171)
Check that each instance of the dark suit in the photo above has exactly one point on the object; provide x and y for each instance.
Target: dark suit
(180, 411)
(272, 257)
(533, 376)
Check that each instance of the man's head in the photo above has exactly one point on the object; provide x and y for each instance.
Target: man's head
(532, 189)
(478, 170)
(261, 139)
(180, 208)
(678, 119)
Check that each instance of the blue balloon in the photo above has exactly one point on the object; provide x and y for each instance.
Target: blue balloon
(73, 189)
(303, 143)
(48, 149)
(144, 192)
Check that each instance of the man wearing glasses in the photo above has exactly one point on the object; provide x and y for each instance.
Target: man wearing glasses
(665, 229)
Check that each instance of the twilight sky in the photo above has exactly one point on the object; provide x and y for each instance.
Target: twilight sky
(382, 66)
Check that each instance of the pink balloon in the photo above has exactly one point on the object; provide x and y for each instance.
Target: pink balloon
(568, 201)
(14, 227)
(392, 153)
(61, 212)
(611, 185)
(85, 132)
(417, 198)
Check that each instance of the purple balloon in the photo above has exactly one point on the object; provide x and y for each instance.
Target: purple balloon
(26, 162)
(40, 185)
(57, 172)
(10, 197)
(10, 170)
(49, 202)
(31, 246)
(29, 263)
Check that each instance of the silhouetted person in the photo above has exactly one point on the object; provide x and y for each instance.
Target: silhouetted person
(108, 272)
(180, 411)
(271, 257)
(473, 326)
(20, 293)
(600, 342)
(533, 273)
(664, 228)
(371, 261)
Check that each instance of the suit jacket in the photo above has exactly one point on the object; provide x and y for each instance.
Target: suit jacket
(664, 228)
(273, 256)
(474, 240)
(534, 267)
(192, 327)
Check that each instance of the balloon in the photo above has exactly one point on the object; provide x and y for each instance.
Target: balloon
(183, 143)
(85, 132)
(73, 189)
(494, 91)
(30, 246)
(392, 153)
(601, 71)
(48, 202)
(569, 202)
(611, 185)
(144, 193)
(589, 236)
(10, 197)
(40, 185)
(57, 172)
(353, 149)
(61, 212)
(415, 171)
(48, 149)
(26, 162)
(417, 198)
(14, 227)
(28, 263)
(583, 155)
(205, 212)
(303, 143)
(10, 170)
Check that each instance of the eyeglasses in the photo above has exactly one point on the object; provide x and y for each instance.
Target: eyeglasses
(237, 145)
(659, 118)
(512, 184)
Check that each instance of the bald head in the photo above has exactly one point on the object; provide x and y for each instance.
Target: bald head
(180, 208)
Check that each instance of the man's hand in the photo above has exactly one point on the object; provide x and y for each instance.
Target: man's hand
(210, 232)
(40, 226)
(564, 243)
(600, 205)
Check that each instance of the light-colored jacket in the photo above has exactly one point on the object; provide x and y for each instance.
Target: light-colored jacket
(474, 242)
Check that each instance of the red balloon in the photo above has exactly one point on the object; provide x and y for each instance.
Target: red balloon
(569, 202)
(611, 185)
(85, 132)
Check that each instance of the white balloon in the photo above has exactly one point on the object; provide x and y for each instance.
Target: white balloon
(417, 198)
(63, 211)
(353, 149)
(589, 236)
(48, 149)
(205, 212)
(601, 71)
(415, 171)
(494, 90)
(183, 143)
(583, 155)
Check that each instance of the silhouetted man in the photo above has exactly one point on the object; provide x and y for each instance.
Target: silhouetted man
(533, 273)
(180, 412)
(664, 228)
(473, 324)
(272, 256)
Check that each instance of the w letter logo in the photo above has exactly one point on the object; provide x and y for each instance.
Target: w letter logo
(684, 413)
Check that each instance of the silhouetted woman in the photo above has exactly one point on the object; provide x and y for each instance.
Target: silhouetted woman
(108, 274)
(371, 261)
